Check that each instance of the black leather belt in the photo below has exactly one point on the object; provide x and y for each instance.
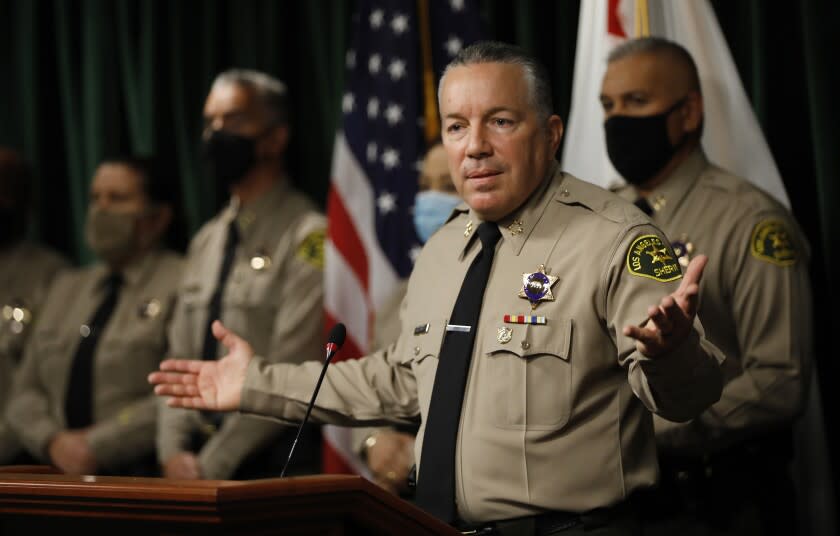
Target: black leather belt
(547, 523)
(537, 525)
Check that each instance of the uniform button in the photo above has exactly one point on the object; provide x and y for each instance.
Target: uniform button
(526, 345)
(416, 350)
(682, 476)
(84, 330)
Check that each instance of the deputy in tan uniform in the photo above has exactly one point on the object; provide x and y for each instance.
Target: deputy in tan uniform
(26, 270)
(79, 400)
(258, 265)
(725, 472)
(570, 355)
(389, 452)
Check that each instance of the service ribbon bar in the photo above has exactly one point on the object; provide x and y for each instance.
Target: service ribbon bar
(524, 319)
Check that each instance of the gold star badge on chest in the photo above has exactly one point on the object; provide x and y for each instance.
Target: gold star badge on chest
(536, 286)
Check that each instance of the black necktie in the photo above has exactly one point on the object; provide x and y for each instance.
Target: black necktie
(214, 309)
(79, 402)
(436, 485)
(643, 205)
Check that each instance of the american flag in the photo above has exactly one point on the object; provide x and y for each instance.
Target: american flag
(371, 244)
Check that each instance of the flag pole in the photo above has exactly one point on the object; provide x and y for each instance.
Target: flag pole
(430, 114)
(641, 20)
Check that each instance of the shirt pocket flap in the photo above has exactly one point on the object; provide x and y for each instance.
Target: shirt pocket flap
(423, 339)
(530, 340)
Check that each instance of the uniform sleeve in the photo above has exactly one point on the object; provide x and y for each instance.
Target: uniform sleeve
(28, 412)
(45, 267)
(175, 426)
(681, 384)
(297, 336)
(127, 436)
(377, 389)
(771, 302)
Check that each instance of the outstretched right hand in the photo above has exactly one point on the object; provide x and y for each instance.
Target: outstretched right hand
(207, 385)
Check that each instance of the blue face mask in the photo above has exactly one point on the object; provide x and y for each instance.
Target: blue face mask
(431, 209)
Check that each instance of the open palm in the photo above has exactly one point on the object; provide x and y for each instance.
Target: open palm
(669, 323)
(208, 385)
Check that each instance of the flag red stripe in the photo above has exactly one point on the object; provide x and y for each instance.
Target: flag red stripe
(332, 463)
(613, 21)
(342, 232)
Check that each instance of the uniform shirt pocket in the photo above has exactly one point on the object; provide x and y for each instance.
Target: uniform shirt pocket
(531, 369)
(54, 355)
(421, 351)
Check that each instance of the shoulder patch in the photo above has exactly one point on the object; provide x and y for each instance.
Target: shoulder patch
(771, 243)
(650, 257)
(311, 249)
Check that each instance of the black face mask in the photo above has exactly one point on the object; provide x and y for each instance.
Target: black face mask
(229, 156)
(638, 146)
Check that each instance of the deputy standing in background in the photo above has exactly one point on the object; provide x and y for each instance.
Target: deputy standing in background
(542, 326)
(258, 266)
(726, 472)
(79, 400)
(389, 452)
(26, 270)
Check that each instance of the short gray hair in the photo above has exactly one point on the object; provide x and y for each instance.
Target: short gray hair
(497, 52)
(270, 92)
(657, 46)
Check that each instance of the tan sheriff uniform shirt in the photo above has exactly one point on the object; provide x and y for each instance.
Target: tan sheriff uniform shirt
(26, 271)
(273, 298)
(555, 416)
(756, 299)
(134, 340)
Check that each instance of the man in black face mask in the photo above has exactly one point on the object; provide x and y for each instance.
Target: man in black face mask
(256, 265)
(26, 270)
(727, 471)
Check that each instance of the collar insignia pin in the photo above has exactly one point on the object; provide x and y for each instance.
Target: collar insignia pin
(515, 227)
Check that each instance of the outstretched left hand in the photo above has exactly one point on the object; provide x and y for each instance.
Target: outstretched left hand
(670, 322)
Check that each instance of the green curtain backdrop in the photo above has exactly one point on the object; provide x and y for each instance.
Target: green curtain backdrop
(88, 78)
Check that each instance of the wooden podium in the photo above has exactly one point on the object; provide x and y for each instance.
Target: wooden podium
(37, 500)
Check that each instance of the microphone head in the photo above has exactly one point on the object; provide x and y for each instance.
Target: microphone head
(336, 336)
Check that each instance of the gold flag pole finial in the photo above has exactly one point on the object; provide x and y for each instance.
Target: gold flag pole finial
(642, 22)
(430, 113)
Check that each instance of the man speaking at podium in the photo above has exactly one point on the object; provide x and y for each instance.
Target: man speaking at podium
(542, 326)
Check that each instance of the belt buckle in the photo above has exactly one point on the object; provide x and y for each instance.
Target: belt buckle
(487, 530)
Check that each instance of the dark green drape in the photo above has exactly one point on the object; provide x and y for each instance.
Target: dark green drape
(90, 78)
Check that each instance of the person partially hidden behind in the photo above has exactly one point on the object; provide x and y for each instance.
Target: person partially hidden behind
(389, 451)
(258, 266)
(727, 471)
(80, 400)
(26, 271)
(543, 324)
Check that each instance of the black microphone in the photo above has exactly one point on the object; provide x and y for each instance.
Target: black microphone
(335, 340)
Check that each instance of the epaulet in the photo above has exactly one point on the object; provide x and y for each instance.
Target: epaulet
(749, 197)
(462, 208)
(606, 204)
